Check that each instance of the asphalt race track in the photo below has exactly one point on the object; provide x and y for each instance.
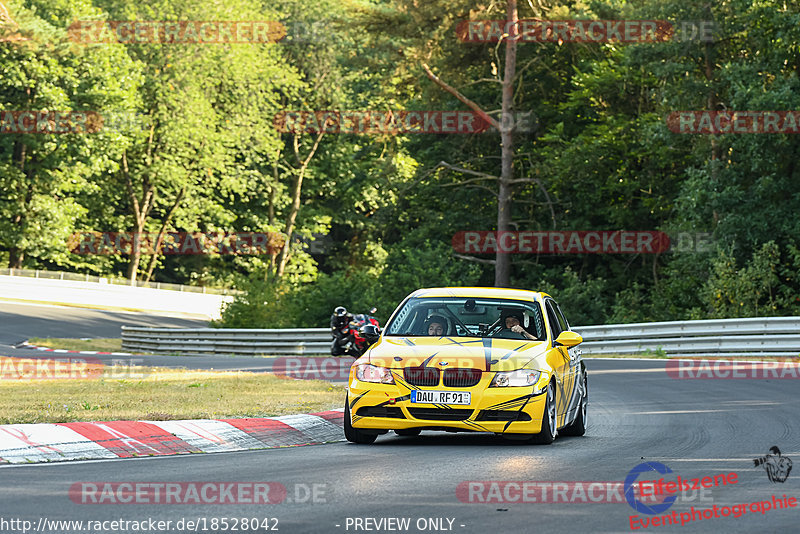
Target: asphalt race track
(637, 413)
(19, 322)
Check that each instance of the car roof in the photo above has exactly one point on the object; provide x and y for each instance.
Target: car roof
(479, 292)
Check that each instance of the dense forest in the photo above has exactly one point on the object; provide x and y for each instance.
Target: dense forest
(195, 138)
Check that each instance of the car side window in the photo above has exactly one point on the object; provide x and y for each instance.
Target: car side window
(555, 327)
(538, 323)
(562, 320)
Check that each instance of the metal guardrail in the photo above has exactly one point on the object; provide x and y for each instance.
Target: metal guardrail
(77, 277)
(250, 342)
(756, 336)
(760, 336)
(706, 327)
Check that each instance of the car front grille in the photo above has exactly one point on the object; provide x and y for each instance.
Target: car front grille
(421, 376)
(461, 378)
(438, 414)
(502, 415)
(381, 411)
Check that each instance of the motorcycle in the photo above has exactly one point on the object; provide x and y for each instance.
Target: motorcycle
(357, 336)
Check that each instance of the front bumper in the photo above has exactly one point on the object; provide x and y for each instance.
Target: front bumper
(513, 410)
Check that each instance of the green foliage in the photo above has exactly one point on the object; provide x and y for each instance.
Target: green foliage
(255, 308)
(584, 301)
(659, 352)
(751, 290)
(45, 178)
(271, 305)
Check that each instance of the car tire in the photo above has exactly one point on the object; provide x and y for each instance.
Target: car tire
(408, 432)
(578, 426)
(354, 435)
(549, 431)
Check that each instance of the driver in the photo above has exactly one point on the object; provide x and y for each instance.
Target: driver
(436, 325)
(513, 322)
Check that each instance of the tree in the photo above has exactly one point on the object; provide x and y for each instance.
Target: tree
(208, 110)
(42, 174)
(505, 182)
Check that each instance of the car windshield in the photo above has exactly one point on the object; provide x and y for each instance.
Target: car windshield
(466, 317)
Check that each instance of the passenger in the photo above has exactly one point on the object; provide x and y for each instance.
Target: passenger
(436, 325)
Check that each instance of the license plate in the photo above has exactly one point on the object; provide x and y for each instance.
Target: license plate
(440, 397)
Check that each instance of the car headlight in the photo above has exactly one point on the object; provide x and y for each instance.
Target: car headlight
(521, 377)
(372, 373)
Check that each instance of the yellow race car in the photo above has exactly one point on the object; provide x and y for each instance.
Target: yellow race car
(477, 359)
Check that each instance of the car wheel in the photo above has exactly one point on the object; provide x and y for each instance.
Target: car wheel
(408, 432)
(578, 426)
(548, 433)
(355, 435)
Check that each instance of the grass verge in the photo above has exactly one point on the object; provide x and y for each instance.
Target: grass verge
(163, 394)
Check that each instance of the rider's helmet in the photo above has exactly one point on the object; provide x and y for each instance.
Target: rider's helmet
(340, 311)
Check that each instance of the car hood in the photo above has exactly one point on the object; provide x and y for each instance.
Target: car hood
(487, 354)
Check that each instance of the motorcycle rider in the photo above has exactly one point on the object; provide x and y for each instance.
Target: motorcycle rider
(339, 322)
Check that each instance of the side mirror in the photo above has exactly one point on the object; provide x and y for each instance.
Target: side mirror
(373, 310)
(370, 332)
(568, 338)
